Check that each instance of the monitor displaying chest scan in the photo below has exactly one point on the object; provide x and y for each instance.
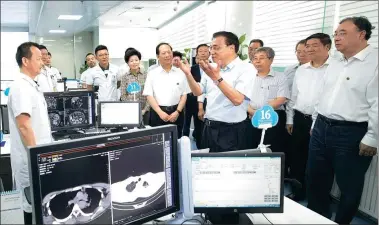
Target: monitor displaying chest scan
(123, 178)
(70, 110)
(119, 115)
(238, 182)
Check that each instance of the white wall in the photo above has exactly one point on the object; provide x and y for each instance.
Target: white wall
(83, 45)
(119, 39)
(95, 38)
(9, 43)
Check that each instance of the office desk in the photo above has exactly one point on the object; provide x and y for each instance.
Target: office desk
(294, 213)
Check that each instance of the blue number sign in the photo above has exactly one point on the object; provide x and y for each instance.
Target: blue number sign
(6, 92)
(133, 88)
(265, 117)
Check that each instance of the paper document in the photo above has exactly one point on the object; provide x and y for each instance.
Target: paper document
(11, 208)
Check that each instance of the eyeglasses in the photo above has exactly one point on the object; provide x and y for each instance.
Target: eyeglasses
(300, 52)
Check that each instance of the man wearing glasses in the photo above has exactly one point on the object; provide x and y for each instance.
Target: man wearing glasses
(345, 131)
(227, 84)
(270, 88)
(105, 76)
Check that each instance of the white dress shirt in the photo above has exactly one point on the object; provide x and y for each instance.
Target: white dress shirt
(240, 76)
(107, 84)
(350, 92)
(44, 80)
(26, 97)
(289, 73)
(166, 87)
(268, 88)
(306, 89)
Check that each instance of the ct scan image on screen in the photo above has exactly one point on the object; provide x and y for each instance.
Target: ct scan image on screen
(138, 181)
(80, 195)
(114, 183)
(68, 111)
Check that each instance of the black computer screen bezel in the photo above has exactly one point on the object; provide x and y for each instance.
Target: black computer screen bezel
(99, 114)
(33, 153)
(245, 209)
(74, 94)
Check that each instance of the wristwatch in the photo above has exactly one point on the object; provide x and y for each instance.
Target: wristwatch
(217, 82)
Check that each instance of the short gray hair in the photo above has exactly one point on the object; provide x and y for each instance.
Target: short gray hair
(269, 51)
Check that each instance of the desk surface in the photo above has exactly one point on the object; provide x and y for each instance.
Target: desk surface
(294, 213)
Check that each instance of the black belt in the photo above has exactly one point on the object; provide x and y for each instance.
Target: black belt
(307, 116)
(332, 122)
(169, 108)
(213, 123)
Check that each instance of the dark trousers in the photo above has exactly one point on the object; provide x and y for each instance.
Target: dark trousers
(334, 150)
(299, 149)
(146, 117)
(191, 111)
(155, 120)
(277, 137)
(28, 218)
(221, 137)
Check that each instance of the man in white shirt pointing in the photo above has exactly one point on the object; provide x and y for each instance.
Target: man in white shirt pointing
(344, 135)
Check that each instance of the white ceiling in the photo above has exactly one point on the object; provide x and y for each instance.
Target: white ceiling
(143, 13)
(38, 17)
(11, 8)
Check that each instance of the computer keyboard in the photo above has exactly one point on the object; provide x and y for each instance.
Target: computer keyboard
(79, 136)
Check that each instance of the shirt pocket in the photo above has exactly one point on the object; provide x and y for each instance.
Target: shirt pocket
(272, 92)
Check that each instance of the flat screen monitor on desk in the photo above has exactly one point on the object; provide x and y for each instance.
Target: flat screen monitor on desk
(237, 183)
(69, 110)
(129, 177)
(119, 114)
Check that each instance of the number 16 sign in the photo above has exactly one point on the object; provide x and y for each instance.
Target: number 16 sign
(264, 118)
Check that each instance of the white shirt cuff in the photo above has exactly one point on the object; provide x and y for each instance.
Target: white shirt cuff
(372, 142)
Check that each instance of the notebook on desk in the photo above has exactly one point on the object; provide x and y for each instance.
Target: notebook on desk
(11, 208)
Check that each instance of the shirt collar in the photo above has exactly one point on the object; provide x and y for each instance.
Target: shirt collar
(173, 68)
(138, 73)
(364, 53)
(270, 73)
(326, 63)
(28, 79)
(231, 65)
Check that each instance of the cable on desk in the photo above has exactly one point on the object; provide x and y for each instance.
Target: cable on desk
(192, 220)
(267, 219)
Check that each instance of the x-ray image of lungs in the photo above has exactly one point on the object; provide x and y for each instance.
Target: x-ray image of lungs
(76, 102)
(76, 117)
(137, 192)
(81, 204)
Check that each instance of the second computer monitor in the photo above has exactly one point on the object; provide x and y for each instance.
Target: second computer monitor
(119, 114)
(238, 183)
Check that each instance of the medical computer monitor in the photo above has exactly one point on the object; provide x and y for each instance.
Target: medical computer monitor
(240, 182)
(119, 114)
(128, 177)
(68, 110)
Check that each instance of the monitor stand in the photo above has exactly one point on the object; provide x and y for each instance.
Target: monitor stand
(61, 134)
(118, 129)
(228, 218)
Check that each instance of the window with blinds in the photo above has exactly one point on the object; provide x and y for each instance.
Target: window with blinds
(362, 8)
(281, 24)
(187, 31)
